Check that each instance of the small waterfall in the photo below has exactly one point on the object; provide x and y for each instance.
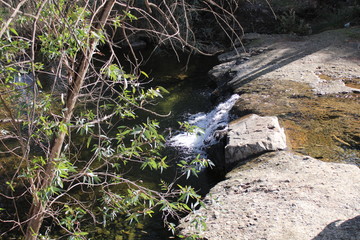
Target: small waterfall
(195, 143)
(24, 85)
(23, 81)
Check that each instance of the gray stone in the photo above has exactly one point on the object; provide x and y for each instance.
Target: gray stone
(233, 55)
(253, 135)
(295, 58)
(282, 196)
(218, 73)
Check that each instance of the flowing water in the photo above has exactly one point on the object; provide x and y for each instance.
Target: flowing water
(207, 124)
(188, 100)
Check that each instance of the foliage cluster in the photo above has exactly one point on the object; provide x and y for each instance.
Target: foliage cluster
(332, 18)
(74, 136)
(185, 26)
(289, 22)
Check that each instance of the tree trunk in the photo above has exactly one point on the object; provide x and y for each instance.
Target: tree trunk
(38, 208)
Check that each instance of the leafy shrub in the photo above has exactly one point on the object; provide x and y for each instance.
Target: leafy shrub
(290, 23)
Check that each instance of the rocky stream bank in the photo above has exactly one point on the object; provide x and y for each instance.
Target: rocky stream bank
(304, 185)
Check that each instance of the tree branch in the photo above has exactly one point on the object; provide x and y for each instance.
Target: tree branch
(11, 18)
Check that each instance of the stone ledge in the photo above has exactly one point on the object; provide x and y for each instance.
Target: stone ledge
(253, 135)
(282, 196)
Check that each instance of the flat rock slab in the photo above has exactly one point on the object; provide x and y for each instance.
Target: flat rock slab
(282, 196)
(253, 135)
(305, 59)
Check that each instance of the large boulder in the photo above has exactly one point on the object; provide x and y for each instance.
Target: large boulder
(253, 135)
(282, 196)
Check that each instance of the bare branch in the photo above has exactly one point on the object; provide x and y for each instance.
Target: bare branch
(11, 18)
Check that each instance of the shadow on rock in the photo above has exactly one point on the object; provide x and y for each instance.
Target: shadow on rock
(341, 230)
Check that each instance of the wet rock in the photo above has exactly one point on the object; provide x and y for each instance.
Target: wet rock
(240, 54)
(218, 73)
(233, 55)
(216, 154)
(282, 196)
(253, 135)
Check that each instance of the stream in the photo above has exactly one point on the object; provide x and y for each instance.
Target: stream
(188, 100)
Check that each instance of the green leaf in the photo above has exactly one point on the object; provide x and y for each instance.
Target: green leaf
(13, 31)
(38, 83)
(130, 16)
(10, 184)
(88, 141)
(63, 128)
(144, 73)
(162, 89)
(132, 217)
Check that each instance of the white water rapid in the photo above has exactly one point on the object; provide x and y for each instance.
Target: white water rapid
(195, 143)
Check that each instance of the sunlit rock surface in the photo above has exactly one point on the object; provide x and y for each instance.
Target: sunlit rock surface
(282, 196)
(253, 135)
(312, 85)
